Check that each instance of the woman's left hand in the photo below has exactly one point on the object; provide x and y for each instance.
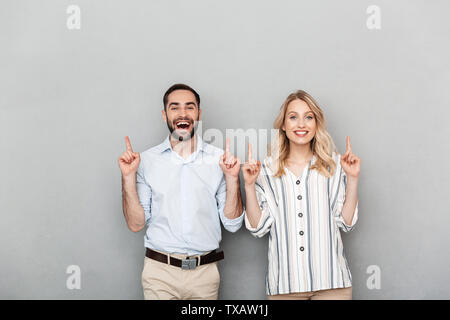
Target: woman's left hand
(350, 162)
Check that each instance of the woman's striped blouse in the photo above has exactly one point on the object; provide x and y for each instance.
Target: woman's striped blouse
(303, 216)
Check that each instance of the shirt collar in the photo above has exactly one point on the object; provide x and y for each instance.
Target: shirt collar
(165, 145)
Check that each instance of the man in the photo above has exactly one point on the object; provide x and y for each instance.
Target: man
(181, 190)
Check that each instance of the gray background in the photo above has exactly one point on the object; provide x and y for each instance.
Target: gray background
(68, 98)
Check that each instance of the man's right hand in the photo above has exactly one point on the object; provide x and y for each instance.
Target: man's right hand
(129, 160)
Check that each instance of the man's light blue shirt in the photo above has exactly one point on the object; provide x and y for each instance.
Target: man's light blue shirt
(183, 200)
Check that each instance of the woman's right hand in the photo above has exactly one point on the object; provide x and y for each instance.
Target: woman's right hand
(251, 169)
(129, 160)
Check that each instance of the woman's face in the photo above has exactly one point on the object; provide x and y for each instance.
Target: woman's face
(299, 122)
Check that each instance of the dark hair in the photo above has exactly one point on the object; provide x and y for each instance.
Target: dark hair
(180, 86)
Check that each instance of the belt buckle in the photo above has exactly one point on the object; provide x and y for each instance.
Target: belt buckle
(188, 264)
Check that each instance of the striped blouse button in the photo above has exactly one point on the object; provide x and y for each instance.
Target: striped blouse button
(299, 197)
(298, 182)
(300, 214)
(301, 248)
(300, 233)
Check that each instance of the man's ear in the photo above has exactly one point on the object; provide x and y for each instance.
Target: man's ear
(164, 115)
(199, 114)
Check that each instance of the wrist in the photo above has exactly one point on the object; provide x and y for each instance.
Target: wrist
(249, 186)
(129, 178)
(231, 179)
(352, 180)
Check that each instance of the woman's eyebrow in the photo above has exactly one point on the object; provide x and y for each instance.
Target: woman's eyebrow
(295, 112)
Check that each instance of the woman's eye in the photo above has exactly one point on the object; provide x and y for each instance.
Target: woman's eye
(292, 117)
(309, 117)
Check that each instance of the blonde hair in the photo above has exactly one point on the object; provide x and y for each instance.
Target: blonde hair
(322, 144)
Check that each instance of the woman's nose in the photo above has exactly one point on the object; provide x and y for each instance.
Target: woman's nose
(300, 124)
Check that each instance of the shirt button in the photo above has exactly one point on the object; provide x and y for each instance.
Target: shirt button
(298, 182)
(301, 248)
(301, 233)
(299, 197)
(300, 214)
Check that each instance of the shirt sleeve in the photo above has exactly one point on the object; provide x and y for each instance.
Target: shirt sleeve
(144, 192)
(231, 225)
(339, 198)
(266, 220)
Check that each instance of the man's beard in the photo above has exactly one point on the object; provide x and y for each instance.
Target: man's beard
(175, 135)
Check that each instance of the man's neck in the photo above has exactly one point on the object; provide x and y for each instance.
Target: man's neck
(184, 148)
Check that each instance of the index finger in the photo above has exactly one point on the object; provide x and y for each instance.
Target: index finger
(249, 152)
(227, 145)
(349, 147)
(128, 143)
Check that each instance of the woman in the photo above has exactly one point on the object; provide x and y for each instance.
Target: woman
(303, 194)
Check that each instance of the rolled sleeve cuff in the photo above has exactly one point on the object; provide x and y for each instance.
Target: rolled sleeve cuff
(147, 216)
(263, 225)
(233, 225)
(349, 227)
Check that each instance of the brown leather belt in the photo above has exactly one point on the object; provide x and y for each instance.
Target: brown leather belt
(187, 264)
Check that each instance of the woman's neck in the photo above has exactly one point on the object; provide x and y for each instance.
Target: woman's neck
(299, 153)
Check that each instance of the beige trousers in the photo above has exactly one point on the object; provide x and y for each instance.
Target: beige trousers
(330, 294)
(162, 281)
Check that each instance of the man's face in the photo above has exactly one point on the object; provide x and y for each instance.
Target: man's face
(181, 112)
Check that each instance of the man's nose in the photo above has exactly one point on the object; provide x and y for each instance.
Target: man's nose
(183, 112)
